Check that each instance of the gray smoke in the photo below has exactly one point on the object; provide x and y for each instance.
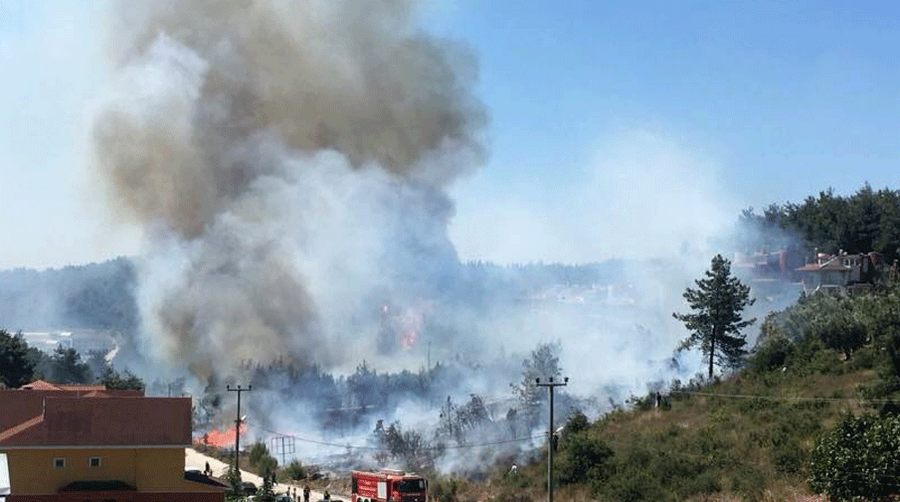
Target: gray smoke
(288, 162)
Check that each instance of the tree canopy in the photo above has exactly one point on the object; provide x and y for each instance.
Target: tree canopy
(16, 368)
(65, 366)
(868, 220)
(859, 459)
(127, 380)
(544, 364)
(716, 322)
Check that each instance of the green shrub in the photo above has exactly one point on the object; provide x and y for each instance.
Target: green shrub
(258, 450)
(812, 357)
(749, 482)
(858, 459)
(788, 456)
(295, 470)
(582, 458)
(444, 489)
(839, 330)
(772, 355)
(632, 486)
(576, 423)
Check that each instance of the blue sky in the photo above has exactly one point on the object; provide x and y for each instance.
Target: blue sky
(594, 107)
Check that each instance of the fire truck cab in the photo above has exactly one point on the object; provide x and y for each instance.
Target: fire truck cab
(387, 485)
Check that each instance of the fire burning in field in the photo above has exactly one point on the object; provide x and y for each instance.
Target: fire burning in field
(220, 438)
(402, 326)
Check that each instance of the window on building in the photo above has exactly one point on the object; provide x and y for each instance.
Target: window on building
(59, 463)
(94, 462)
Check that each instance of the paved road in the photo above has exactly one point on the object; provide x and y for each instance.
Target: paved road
(193, 459)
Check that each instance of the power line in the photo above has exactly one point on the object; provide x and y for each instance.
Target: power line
(551, 386)
(237, 424)
(785, 398)
(378, 448)
(706, 457)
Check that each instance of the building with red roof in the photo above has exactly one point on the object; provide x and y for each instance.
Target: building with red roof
(841, 272)
(87, 444)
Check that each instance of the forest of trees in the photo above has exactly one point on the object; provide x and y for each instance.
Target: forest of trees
(93, 296)
(21, 364)
(844, 351)
(868, 220)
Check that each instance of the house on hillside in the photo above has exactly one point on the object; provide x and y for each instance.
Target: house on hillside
(764, 265)
(840, 273)
(61, 443)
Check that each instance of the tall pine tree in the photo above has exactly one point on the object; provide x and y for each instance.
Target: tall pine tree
(16, 369)
(715, 322)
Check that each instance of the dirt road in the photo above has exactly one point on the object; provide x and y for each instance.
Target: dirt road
(193, 459)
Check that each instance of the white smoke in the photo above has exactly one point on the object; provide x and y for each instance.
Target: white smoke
(288, 163)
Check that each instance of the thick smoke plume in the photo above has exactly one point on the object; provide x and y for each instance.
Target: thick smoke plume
(288, 161)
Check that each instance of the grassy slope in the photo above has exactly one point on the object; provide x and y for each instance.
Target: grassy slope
(710, 448)
(745, 449)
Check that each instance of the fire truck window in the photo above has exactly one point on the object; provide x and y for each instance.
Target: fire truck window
(355, 486)
(411, 485)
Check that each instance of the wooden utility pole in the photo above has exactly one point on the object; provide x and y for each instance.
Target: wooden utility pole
(237, 424)
(551, 386)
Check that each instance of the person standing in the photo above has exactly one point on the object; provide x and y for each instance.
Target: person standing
(306, 493)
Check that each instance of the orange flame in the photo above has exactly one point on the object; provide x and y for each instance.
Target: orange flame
(408, 339)
(410, 325)
(220, 438)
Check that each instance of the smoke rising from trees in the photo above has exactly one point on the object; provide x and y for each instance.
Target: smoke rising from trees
(288, 162)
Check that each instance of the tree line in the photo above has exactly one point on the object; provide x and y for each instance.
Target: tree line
(21, 364)
(868, 220)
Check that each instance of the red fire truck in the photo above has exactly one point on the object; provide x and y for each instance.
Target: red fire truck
(387, 485)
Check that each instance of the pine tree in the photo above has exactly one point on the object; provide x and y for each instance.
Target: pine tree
(112, 379)
(235, 484)
(543, 363)
(16, 369)
(716, 323)
(65, 366)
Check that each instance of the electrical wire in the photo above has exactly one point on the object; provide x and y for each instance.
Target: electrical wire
(673, 453)
(785, 398)
(377, 448)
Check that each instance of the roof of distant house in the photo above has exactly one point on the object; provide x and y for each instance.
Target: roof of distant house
(832, 264)
(113, 421)
(27, 401)
(43, 385)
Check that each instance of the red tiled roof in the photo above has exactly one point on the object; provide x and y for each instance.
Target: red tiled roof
(44, 385)
(21, 404)
(40, 385)
(12, 431)
(82, 388)
(114, 421)
(832, 264)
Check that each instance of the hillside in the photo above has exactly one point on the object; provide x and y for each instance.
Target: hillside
(92, 296)
(103, 295)
(748, 436)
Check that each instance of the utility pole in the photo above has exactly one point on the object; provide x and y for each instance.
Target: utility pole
(551, 385)
(237, 424)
